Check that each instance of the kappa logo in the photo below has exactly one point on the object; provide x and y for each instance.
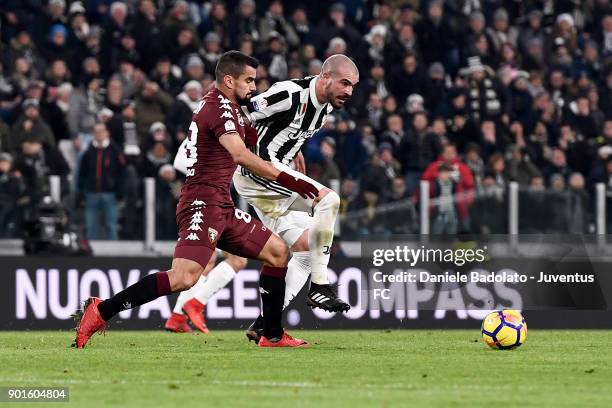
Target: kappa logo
(226, 114)
(192, 237)
(198, 203)
(212, 234)
(194, 227)
(229, 125)
(226, 106)
(223, 99)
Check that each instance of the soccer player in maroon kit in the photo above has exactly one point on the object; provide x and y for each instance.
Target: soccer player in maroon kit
(206, 215)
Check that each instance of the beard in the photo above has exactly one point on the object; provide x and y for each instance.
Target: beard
(243, 100)
(334, 101)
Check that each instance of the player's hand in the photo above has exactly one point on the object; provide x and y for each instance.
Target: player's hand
(250, 136)
(300, 163)
(302, 187)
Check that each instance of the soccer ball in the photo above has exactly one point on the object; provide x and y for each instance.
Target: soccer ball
(504, 329)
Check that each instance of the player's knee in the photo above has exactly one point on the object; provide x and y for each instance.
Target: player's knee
(279, 255)
(329, 201)
(187, 277)
(237, 263)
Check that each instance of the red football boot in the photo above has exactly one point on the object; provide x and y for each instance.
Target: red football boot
(285, 341)
(177, 323)
(89, 323)
(194, 310)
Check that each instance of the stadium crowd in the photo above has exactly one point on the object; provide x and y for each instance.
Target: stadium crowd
(466, 94)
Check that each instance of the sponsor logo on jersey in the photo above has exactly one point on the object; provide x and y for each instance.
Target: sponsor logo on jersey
(212, 234)
(229, 125)
(260, 104)
(198, 203)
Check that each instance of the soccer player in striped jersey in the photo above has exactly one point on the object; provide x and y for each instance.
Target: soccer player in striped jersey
(284, 117)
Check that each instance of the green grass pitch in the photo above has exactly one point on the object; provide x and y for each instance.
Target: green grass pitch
(429, 368)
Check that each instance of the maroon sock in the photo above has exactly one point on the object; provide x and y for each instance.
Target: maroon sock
(145, 290)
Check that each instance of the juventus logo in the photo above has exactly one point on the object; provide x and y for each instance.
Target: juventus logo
(327, 249)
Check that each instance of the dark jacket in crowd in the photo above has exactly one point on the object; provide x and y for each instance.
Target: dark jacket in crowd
(102, 169)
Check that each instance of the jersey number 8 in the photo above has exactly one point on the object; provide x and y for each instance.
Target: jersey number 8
(241, 215)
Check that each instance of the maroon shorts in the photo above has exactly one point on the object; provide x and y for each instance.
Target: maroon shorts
(203, 228)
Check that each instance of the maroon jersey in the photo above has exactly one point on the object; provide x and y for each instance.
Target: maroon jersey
(210, 166)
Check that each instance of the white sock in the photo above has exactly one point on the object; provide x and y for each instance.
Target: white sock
(219, 276)
(186, 295)
(321, 236)
(297, 275)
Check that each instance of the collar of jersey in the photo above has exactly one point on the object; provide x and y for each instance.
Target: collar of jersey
(313, 93)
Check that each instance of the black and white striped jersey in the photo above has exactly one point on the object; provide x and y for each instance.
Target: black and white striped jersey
(285, 116)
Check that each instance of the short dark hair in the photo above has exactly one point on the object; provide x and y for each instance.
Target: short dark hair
(233, 63)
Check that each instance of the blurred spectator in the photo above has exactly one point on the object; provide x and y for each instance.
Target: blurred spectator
(416, 150)
(579, 206)
(155, 157)
(301, 25)
(401, 43)
(152, 105)
(179, 116)
(212, 51)
(497, 169)
(486, 96)
(502, 32)
(444, 216)
(336, 26)
(329, 168)
(520, 168)
(436, 36)
(492, 141)
(56, 109)
(148, 33)
(30, 125)
(582, 118)
(11, 190)
(406, 78)
(434, 90)
(85, 104)
(166, 75)
(474, 161)
(394, 132)
(274, 58)
(167, 192)
(557, 166)
(274, 24)
(460, 174)
(35, 163)
(350, 152)
(101, 176)
(462, 130)
(381, 171)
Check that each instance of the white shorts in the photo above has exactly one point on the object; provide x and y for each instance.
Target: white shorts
(283, 211)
